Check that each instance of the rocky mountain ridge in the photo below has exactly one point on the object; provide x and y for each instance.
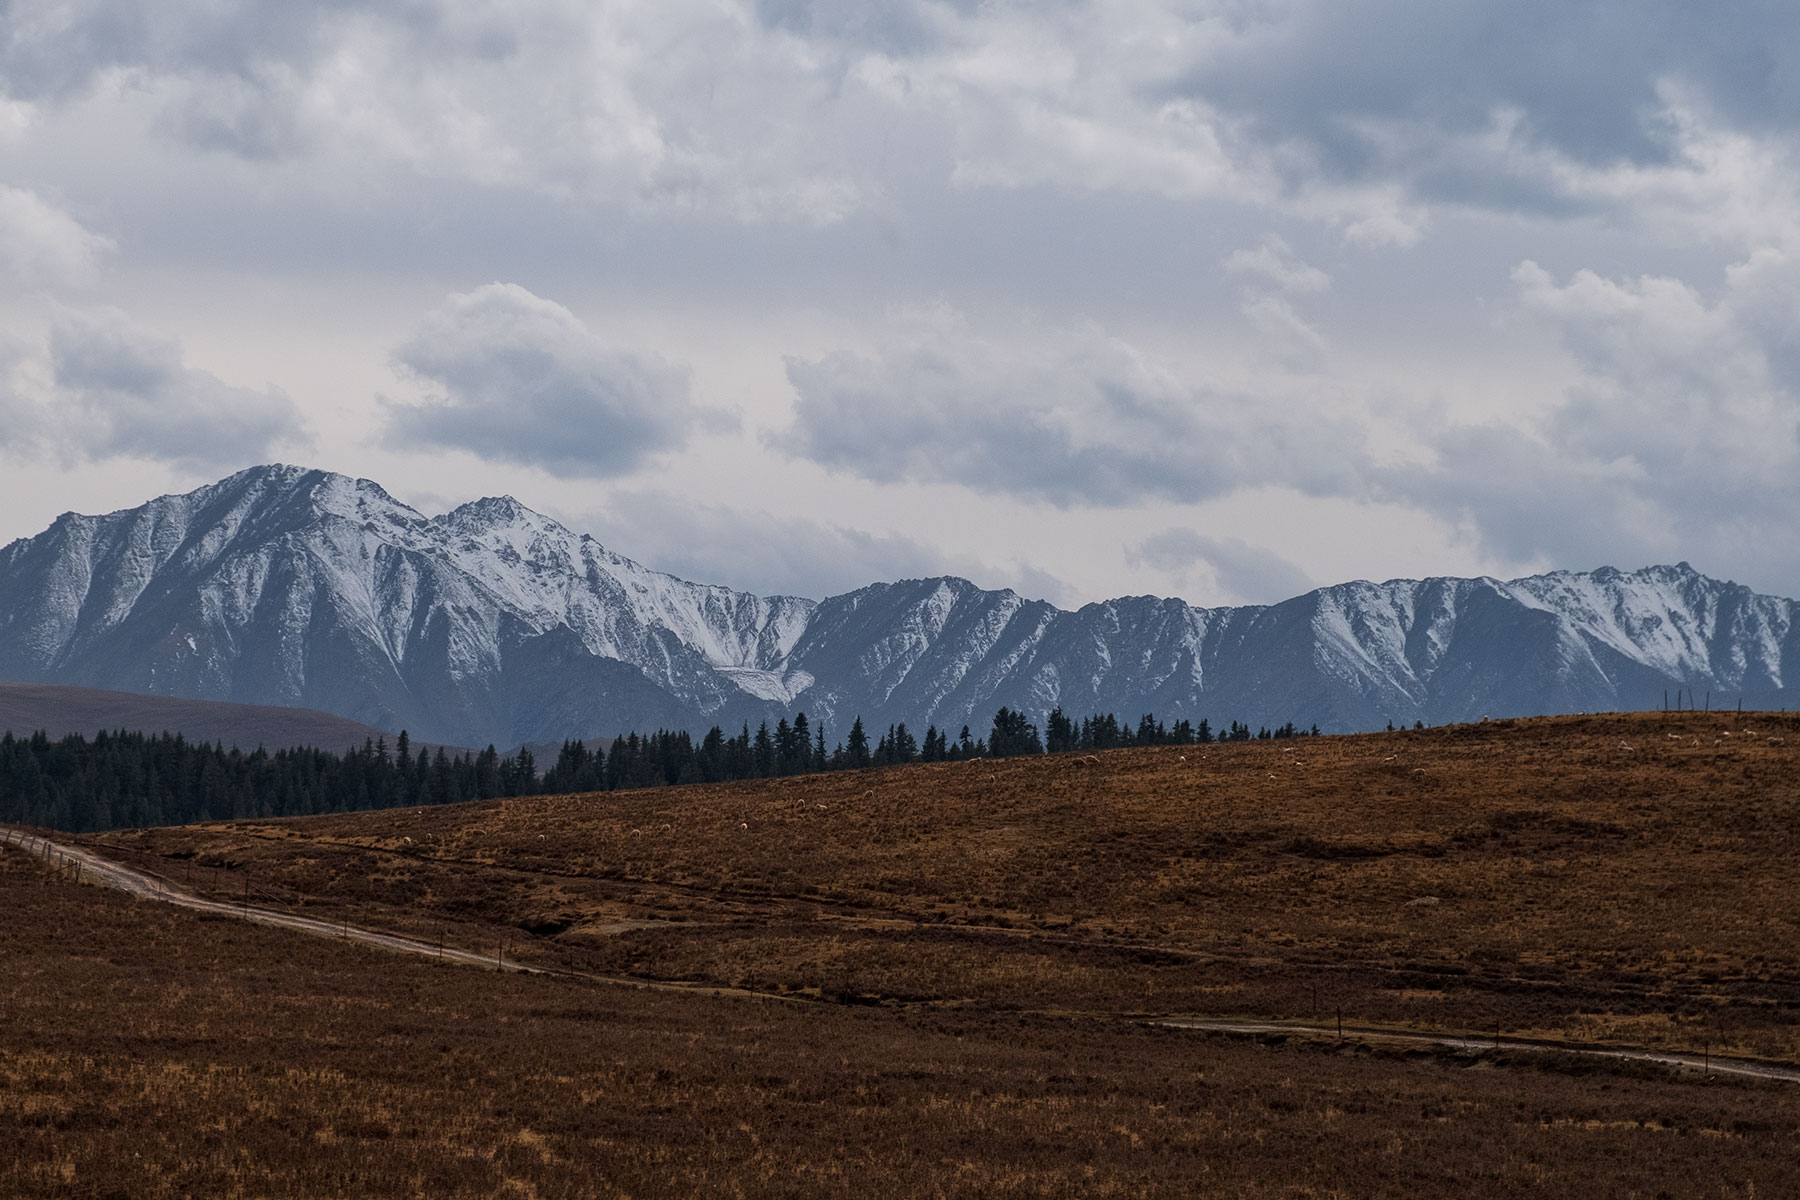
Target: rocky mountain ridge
(493, 623)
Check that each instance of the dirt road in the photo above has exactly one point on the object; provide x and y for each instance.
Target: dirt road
(1707, 1064)
(92, 868)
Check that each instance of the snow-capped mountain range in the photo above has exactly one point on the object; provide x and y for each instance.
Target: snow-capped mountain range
(493, 623)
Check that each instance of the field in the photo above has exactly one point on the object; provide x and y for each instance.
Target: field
(1629, 879)
(956, 961)
(150, 1053)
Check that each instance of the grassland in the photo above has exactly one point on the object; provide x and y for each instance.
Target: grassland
(149, 1053)
(1624, 879)
(961, 952)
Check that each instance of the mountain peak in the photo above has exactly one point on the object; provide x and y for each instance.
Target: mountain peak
(489, 510)
(500, 516)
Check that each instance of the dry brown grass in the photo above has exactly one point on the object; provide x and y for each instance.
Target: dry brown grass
(1617, 878)
(148, 1052)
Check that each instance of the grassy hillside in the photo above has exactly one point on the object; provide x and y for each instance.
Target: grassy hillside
(151, 1053)
(26, 708)
(1614, 878)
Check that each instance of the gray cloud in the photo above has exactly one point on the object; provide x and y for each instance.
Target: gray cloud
(770, 555)
(1238, 570)
(781, 110)
(1090, 422)
(659, 108)
(53, 48)
(1583, 78)
(897, 27)
(520, 379)
(123, 392)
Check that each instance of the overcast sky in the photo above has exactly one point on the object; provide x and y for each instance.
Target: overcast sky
(1219, 299)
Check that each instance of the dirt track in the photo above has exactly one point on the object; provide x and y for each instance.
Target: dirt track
(92, 868)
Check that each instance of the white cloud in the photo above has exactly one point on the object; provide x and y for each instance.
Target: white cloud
(1680, 436)
(520, 379)
(1274, 261)
(1278, 274)
(41, 244)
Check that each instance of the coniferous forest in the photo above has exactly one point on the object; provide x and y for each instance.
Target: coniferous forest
(128, 780)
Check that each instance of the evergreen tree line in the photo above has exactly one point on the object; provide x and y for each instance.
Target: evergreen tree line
(134, 780)
(798, 748)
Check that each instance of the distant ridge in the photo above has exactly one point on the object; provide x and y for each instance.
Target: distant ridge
(494, 624)
(26, 708)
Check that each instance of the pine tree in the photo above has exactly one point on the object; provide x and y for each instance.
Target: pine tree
(764, 752)
(858, 746)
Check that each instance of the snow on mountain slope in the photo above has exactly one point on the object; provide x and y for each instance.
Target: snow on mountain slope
(281, 585)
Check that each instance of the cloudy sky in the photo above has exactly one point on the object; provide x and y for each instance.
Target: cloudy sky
(1214, 299)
